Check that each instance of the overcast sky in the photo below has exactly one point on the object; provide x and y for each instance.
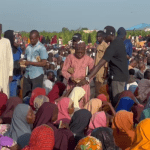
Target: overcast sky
(52, 15)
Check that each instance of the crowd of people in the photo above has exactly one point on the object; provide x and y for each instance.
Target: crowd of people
(74, 96)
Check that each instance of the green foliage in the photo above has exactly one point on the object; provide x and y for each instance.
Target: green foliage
(67, 35)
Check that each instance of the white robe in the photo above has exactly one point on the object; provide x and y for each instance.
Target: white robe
(6, 65)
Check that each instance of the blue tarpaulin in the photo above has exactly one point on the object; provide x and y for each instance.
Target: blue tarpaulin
(141, 26)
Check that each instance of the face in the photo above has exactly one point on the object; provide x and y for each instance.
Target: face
(55, 116)
(52, 67)
(74, 43)
(30, 116)
(99, 39)
(51, 77)
(79, 53)
(71, 109)
(34, 38)
(109, 38)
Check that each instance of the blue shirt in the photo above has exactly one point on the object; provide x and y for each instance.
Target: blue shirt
(128, 46)
(17, 55)
(31, 54)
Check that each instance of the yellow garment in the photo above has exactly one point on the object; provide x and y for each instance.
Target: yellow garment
(100, 53)
(6, 64)
(76, 94)
(142, 138)
(28, 41)
(88, 143)
(93, 105)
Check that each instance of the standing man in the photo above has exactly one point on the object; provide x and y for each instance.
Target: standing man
(116, 56)
(101, 48)
(6, 64)
(36, 57)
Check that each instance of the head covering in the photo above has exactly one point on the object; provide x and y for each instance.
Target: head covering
(3, 101)
(93, 105)
(63, 114)
(9, 34)
(142, 138)
(5, 141)
(79, 122)
(39, 100)
(42, 138)
(88, 143)
(10, 106)
(63, 138)
(80, 45)
(56, 92)
(76, 94)
(104, 89)
(77, 37)
(109, 30)
(102, 97)
(98, 120)
(105, 135)
(137, 110)
(121, 32)
(145, 114)
(127, 94)
(125, 103)
(19, 125)
(123, 130)
(36, 92)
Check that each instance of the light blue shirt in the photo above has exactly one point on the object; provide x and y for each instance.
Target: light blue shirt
(31, 54)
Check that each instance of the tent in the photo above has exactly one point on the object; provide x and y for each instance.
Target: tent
(141, 26)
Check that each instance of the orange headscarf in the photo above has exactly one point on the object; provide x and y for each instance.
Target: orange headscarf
(142, 138)
(123, 129)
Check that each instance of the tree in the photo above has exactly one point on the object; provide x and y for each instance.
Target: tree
(65, 29)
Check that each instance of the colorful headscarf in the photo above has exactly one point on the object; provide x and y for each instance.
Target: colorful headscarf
(93, 105)
(63, 114)
(123, 129)
(39, 100)
(3, 101)
(76, 94)
(105, 135)
(125, 103)
(97, 120)
(142, 138)
(42, 138)
(36, 92)
(56, 92)
(127, 94)
(88, 143)
(102, 97)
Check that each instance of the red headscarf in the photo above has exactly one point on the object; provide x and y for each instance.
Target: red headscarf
(54, 40)
(41, 37)
(42, 138)
(3, 101)
(56, 92)
(36, 92)
(102, 97)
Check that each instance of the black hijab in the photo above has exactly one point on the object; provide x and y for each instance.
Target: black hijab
(105, 135)
(79, 122)
(9, 34)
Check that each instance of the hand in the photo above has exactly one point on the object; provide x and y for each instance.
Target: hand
(83, 82)
(16, 45)
(27, 63)
(22, 62)
(72, 80)
(10, 78)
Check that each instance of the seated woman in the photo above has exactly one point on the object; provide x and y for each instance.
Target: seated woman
(7, 115)
(79, 123)
(93, 105)
(76, 95)
(105, 135)
(65, 109)
(89, 143)
(123, 129)
(142, 136)
(42, 138)
(48, 114)
(127, 100)
(20, 128)
(39, 100)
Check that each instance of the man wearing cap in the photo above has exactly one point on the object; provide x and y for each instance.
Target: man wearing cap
(75, 39)
(6, 64)
(115, 55)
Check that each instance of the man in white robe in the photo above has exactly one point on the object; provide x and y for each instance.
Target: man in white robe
(6, 64)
